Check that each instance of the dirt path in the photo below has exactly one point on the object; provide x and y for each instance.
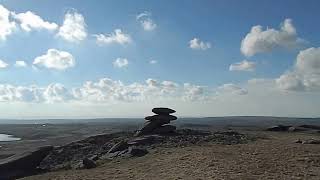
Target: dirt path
(274, 158)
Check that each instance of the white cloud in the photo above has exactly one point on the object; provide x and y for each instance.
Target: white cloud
(117, 37)
(52, 93)
(197, 44)
(20, 64)
(153, 62)
(6, 26)
(232, 88)
(260, 41)
(73, 28)
(305, 75)
(146, 22)
(29, 21)
(55, 59)
(3, 64)
(56, 93)
(121, 62)
(193, 92)
(243, 66)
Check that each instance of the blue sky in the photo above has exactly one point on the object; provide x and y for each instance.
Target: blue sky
(202, 52)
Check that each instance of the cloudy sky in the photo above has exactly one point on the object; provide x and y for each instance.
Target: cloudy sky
(66, 59)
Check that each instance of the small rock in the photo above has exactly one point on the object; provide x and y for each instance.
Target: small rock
(88, 163)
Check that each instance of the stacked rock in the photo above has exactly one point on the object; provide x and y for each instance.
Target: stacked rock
(158, 124)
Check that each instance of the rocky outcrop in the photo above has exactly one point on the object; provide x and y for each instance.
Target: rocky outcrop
(24, 164)
(157, 124)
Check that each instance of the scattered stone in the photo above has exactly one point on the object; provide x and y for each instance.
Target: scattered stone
(88, 163)
(24, 164)
(162, 110)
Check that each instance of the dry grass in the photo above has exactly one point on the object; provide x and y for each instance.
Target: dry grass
(274, 158)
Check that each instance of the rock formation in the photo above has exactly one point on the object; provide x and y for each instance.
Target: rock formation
(24, 164)
(158, 124)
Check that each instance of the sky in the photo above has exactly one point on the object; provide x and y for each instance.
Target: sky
(87, 59)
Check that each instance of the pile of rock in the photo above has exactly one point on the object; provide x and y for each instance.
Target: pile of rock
(159, 123)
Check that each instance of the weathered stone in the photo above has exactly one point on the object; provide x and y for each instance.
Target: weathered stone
(162, 110)
(88, 163)
(120, 146)
(164, 129)
(161, 118)
(20, 165)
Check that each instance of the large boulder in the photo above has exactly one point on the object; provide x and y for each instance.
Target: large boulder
(161, 117)
(162, 110)
(24, 164)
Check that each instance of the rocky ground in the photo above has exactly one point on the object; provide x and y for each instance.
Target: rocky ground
(222, 155)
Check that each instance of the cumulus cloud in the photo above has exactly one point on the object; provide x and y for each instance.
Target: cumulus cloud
(260, 41)
(116, 37)
(74, 28)
(56, 93)
(121, 62)
(30, 21)
(232, 88)
(52, 93)
(243, 66)
(3, 64)
(197, 44)
(55, 59)
(6, 26)
(305, 75)
(193, 92)
(146, 22)
(20, 64)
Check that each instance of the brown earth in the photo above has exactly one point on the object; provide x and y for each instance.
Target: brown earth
(273, 157)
